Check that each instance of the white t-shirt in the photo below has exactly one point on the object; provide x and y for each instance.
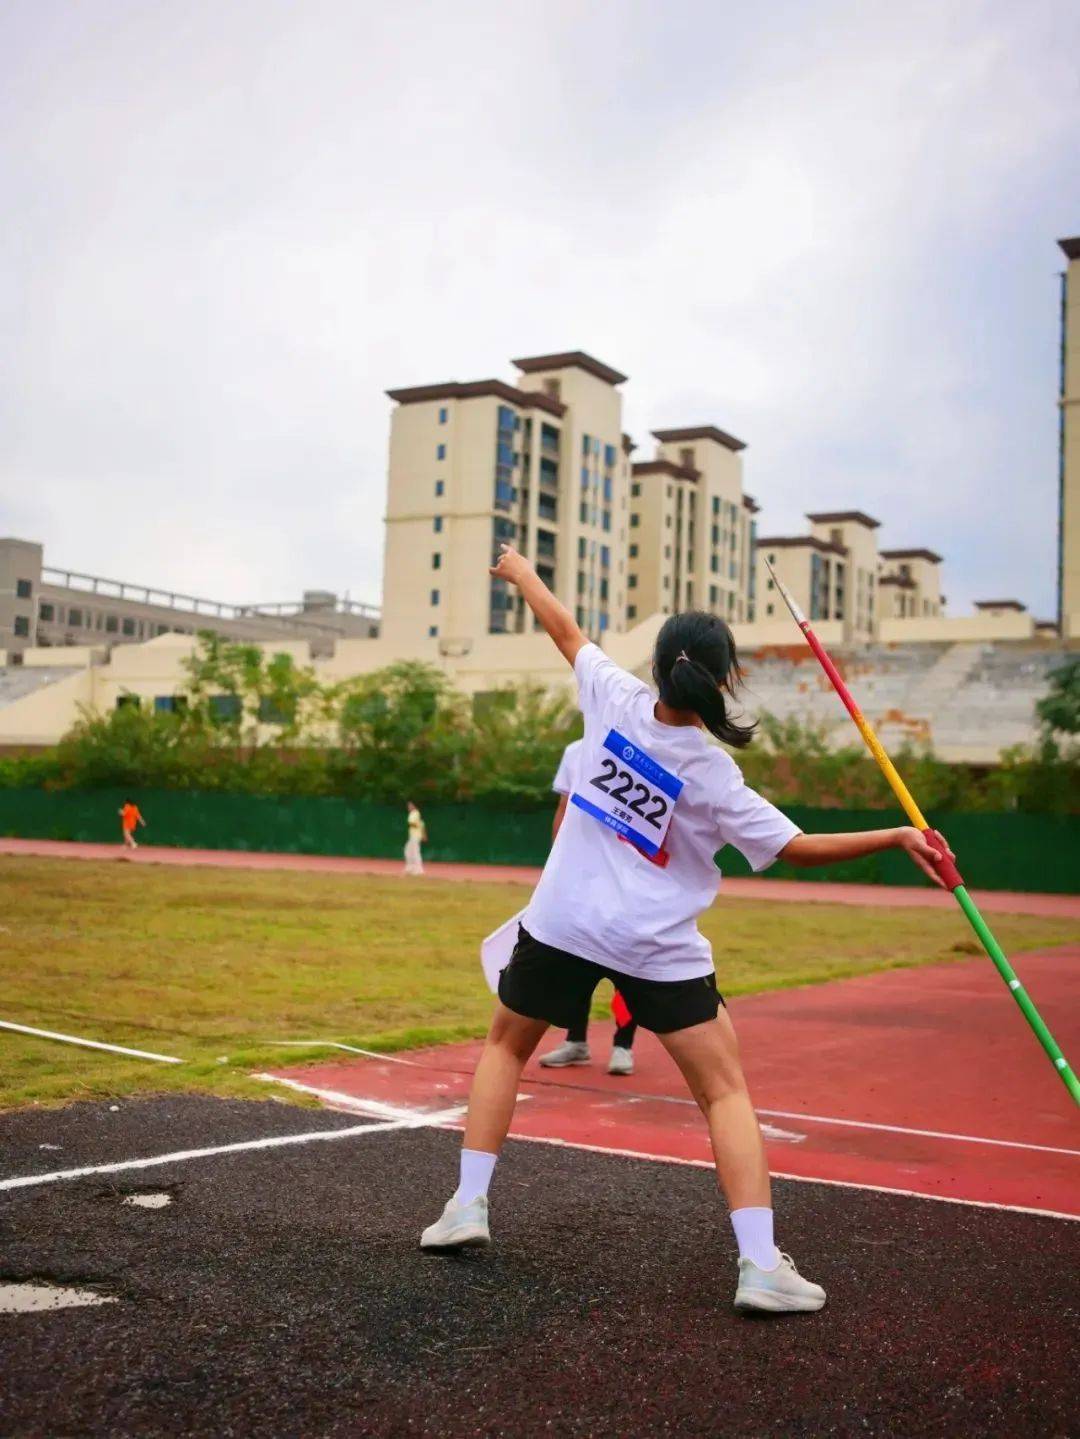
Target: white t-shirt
(600, 895)
(566, 774)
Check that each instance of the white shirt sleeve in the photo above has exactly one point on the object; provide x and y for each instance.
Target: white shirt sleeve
(565, 775)
(601, 682)
(757, 829)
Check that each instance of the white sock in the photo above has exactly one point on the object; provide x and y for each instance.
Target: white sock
(476, 1171)
(754, 1233)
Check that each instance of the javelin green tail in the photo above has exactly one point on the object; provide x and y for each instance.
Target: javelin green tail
(1018, 992)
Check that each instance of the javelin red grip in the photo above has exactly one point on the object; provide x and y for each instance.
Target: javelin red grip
(946, 868)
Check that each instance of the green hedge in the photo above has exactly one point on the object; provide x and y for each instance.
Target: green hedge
(995, 851)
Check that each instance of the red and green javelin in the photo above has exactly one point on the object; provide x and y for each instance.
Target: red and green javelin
(946, 868)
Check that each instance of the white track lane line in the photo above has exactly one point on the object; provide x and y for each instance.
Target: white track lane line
(798, 1178)
(334, 1044)
(181, 1156)
(355, 1104)
(89, 1043)
(921, 1133)
(827, 1119)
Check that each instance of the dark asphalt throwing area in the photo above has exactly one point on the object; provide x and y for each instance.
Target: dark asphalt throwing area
(283, 1292)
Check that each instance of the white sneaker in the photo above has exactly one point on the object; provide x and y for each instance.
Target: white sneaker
(459, 1225)
(569, 1052)
(780, 1290)
(621, 1061)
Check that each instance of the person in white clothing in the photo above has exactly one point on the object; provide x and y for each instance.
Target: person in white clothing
(631, 869)
(414, 861)
(575, 1047)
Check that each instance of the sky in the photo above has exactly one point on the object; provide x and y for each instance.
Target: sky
(231, 225)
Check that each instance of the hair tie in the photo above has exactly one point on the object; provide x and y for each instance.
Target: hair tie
(682, 655)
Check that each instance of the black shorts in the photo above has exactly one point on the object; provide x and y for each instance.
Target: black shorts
(541, 982)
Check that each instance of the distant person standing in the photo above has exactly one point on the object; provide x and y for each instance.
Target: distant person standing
(575, 1047)
(414, 860)
(129, 818)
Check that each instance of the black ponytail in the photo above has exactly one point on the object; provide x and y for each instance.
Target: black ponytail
(694, 664)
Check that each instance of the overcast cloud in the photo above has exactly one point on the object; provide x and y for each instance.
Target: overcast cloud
(230, 226)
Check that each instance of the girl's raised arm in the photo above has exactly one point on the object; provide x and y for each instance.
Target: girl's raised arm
(554, 616)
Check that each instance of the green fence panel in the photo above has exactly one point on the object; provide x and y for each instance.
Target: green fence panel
(1033, 852)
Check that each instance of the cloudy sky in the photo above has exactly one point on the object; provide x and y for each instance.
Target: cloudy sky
(230, 225)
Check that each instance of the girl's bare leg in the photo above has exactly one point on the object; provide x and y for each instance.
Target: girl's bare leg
(708, 1056)
(510, 1042)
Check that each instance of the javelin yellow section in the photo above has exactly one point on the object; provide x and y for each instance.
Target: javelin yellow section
(899, 788)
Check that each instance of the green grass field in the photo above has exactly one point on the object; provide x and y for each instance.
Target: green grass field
(212, 965)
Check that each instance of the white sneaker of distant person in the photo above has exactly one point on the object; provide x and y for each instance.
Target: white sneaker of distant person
(621, 1061)
(571, 1051)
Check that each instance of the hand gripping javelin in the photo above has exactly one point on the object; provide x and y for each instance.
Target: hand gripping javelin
(946, 868)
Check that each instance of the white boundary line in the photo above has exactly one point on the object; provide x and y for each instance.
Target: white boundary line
(334, 1044)
(922, 1133)
(412, 1120)
(373, 1108)
(89, 1043)
(820, 1119)
(799, 1178)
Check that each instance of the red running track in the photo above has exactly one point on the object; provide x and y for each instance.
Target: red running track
(925, 1081)
(785, 890)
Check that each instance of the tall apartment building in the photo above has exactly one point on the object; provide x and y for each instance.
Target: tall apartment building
(50, 608)
(542, 464)
(545, 465)
(691, 528)
(1069, 446)
(836, 572)
(909, 585)
(832, 572)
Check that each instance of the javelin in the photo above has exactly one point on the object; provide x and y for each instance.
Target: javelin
(946, 868)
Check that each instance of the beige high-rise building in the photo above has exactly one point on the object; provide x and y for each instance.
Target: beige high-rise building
(1069, 447)
(909, 585)
(813, 569)
(691, 528)
(542, 465)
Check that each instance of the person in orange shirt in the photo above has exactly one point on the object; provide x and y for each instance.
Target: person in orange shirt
(129, 818)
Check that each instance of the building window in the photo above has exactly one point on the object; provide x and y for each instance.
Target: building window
(437, 524)
(434, 597)
(605, 556)
(124, 701)
(45, 612)
(24, 589)
(442, 415)
(112, 624)
(635, 521)
(436, 561)
(631, 612)
(586, 444)
(635, 489)
(606, 520)
(631, 582)
(433, 632)
(583, 513)
(768, 609)
(633, 552)
(22, 626)
(440, 488)
(75, 617)
(440, 452)
(128, 627)
(667, 521)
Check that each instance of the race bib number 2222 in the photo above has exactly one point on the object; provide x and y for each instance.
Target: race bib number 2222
(626, 790)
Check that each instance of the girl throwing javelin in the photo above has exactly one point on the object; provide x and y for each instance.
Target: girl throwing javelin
(631, 869)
